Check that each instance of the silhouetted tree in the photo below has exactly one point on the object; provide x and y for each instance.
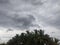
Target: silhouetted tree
(36, 37)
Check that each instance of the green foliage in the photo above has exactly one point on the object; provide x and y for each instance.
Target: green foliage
(37, 37)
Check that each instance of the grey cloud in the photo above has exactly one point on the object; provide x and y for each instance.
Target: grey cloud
(9, 20)
(4, 1)
(51, 14)
(9, 30)
(34, 2)
(6, 19)
(24, 22)
(16, 21)
(24, 14)
(56, 22)
(53, 21)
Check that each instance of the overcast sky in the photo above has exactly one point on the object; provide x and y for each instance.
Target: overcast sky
(18, 15)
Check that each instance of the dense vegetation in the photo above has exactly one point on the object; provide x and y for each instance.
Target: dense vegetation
(36, 37)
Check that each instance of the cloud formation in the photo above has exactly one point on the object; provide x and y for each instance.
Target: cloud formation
(16, 15)
(16, 21)
(25, 14)
(21, 13)
(4, 1)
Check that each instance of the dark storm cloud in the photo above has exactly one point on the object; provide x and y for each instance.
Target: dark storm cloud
(34, 2)
(16, 21)
(4, 1)
(8, 18)
(24, 22)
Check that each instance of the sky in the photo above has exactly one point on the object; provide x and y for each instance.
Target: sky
(17, 16)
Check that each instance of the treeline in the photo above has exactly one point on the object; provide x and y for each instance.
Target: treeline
(36, 37)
